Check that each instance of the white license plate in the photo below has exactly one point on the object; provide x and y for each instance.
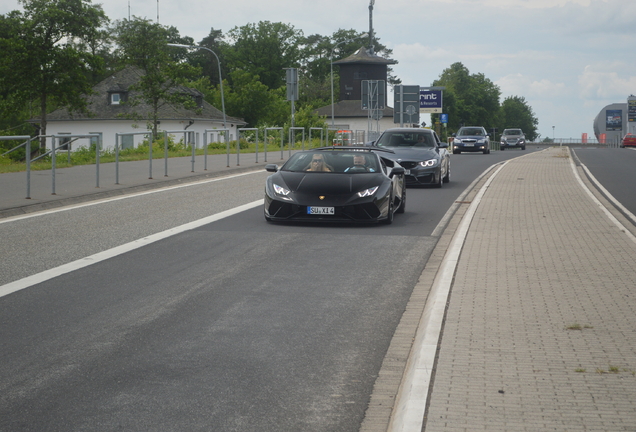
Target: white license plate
(321, 210)
(407, 172)
(469, 145)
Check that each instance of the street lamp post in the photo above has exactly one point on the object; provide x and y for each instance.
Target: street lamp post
(331, 59)
(220, 77)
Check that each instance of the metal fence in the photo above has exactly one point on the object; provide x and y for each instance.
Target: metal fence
(64, 143)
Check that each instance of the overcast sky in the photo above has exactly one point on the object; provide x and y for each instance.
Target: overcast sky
(567, 58)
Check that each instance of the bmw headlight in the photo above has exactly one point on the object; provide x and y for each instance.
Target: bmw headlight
(429, 163)
(281, 190)
(368, 192)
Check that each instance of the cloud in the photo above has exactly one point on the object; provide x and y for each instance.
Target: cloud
(600, 82)
(530, 88)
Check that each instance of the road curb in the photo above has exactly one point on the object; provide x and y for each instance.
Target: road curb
(392, 372)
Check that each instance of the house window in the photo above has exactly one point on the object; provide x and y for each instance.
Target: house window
(115, 98)
(63, 143)
(127, 141)
(96, 140)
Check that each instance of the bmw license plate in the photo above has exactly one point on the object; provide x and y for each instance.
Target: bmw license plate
(321, 210)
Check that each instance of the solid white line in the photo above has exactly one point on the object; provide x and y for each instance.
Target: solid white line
(609, 196)
(611, 217)
(412, 396)
(26, 282)
(132, 195)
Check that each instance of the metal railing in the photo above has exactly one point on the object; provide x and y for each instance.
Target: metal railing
(282, 143)
(292, 137)
(27, 145)
(208, 137)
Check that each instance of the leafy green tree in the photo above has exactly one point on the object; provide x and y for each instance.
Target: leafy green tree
(264, 49)
(142, 43)
(248, 98)
(468, 99)
(41, 60)
(516, 113)
(206, 61)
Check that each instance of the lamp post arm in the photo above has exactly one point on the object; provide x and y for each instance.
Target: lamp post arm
(218, 62)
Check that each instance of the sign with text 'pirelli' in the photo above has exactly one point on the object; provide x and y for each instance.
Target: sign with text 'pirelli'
(431, 99)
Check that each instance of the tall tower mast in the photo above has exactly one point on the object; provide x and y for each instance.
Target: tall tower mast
(371, 48)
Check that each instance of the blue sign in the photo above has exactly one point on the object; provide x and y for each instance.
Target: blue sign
(431, 101)
(443, 118)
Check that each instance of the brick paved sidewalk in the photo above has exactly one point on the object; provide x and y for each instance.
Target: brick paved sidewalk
(540, 332)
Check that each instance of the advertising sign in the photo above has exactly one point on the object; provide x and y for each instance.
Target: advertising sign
(430, 100)
(443, 118)
(631, 109)
(614, 120)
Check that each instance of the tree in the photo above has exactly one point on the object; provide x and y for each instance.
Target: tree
(41, 60)
(516, 113)
(250, 99)
(142, 43)
(205, 60)
(468, 99)
(265, 49)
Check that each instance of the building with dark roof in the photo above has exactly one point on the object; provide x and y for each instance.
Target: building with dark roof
(110, 113)
(348, 112)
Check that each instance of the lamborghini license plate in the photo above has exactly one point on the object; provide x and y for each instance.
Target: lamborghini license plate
(321, 210)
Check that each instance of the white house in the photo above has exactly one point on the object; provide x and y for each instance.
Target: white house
(110, 115)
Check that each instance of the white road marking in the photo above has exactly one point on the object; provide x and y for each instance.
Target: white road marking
(110, 253)
(413, 394)
(132, 195)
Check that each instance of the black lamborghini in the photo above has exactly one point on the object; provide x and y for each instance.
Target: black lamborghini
(336, 184)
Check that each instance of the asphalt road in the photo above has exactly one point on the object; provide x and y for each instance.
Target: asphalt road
(615, 169)
(234, 325)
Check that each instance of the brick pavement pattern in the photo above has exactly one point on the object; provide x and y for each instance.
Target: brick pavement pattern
(540, 332)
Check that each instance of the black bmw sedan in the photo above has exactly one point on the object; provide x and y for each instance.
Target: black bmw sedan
(424, 157)
(336, 184)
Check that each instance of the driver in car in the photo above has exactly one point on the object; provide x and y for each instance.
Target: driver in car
(359, 164)
(318, 164)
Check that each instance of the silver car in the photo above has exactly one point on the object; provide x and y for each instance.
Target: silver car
(471, 139)
(513, 138)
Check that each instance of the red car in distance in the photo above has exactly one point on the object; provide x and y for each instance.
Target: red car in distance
(629, 140)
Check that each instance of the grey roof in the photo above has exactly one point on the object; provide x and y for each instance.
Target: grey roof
(362, 56)
(101, 109)
(350, 108)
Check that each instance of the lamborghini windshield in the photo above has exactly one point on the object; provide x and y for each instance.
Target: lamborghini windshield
(333, 162)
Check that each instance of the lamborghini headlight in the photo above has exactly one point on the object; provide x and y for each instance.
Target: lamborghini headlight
(281, 190)
(368, 192)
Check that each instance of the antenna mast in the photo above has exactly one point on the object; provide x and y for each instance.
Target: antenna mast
(371, 48)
